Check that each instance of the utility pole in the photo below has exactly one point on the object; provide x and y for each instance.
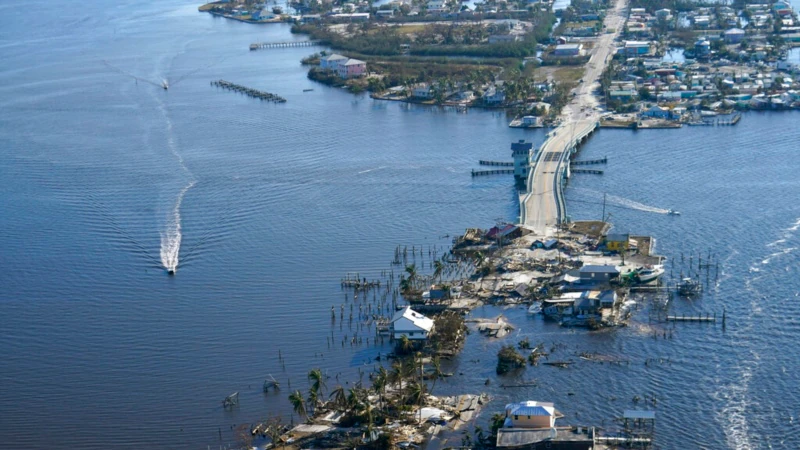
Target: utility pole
(603, 217)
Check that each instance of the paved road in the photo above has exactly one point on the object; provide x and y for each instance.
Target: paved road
(540, 209)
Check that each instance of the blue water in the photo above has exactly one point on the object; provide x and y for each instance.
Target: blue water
(103, 175)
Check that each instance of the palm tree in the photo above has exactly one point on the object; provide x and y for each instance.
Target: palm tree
(437, 371)
(438, 268)
(299, 404)
(379, 383)
(398, 374)
(405, 345)
(313, 400)
(339, 398)
(317, 381)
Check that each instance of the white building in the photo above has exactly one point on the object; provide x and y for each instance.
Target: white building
(332, 61)
(410, 323)
(530, 414)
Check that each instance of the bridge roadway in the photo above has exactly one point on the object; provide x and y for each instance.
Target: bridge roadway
(542, 208)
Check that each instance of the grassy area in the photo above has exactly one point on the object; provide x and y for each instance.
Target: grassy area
(411, 28)
(207, 6)
(569, 75)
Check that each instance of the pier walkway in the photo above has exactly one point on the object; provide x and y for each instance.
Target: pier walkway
(542, 208)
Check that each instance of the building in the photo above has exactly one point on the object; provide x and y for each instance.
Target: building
(411, 324)
(657, 112)
(505, 232)
(530, 414)
(494, 96)
(521, 151)
(504, 38)
(734, 35)
(352, 68)
(332, 61)
(636, 48)
(702, 47)
(436, 7)
(422, 90)
(568, 50)
(593, 273)
(617, 242)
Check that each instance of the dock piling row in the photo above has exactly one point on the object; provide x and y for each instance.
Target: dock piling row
(250, 92)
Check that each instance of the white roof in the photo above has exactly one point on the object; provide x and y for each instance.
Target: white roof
(636, 43)
(569, 46)
(334, 57)
(416, 318)
(352, 61)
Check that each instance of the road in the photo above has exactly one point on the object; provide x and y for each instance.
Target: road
(540, 208)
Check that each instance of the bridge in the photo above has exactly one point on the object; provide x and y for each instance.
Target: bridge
(543, 207)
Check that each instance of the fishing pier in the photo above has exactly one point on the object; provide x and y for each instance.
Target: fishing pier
(288, 44)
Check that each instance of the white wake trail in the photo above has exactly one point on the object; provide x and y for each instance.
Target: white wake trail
(172, 236)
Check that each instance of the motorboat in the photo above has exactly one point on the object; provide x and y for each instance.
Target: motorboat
(164, 84)
(648, 274)
(689, 287)
(535, 308)
(672, 212)
(170, 271)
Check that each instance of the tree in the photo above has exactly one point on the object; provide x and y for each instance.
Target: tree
(438, 268)
(317, 380)
(437, 371)
(299, 404)
(404, 344)
(339, 398)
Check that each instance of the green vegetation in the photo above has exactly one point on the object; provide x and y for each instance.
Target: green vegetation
(508, 358)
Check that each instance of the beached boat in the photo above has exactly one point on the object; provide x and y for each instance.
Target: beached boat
(648, 274)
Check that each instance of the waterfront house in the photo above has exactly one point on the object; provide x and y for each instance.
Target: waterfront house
(422, 90)
(657, 112)
(617, 242)
(568, 50)
(411, 324)
(494, 95)
(530, 414)
(504, 233)
(594, 273)
(332, 61)
(352, 68)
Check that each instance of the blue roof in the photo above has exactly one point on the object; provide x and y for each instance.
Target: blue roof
(599, 269)
(531, 411)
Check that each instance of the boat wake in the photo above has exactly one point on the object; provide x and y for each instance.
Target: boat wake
(622, 202)
(171, 236)
(372, 170)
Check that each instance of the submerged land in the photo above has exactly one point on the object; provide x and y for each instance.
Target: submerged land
(623, 63)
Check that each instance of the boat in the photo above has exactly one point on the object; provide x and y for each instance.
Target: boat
(308, 90)
(171, 272)
(648, 274)
(535, 308)
(689, 287)
(164, 84)
(672, 212)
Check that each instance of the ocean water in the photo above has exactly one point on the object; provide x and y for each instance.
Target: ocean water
(106, 179)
